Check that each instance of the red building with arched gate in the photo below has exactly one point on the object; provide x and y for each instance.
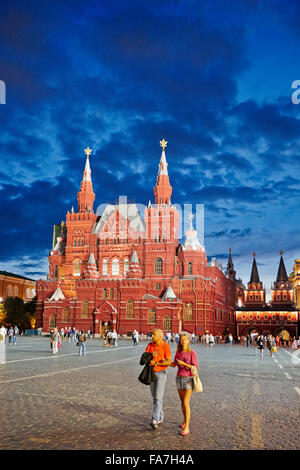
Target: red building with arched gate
(279, 317)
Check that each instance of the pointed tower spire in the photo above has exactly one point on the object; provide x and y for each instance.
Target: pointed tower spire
(281, 274)
(162, 189)
(254, 272)
(230, 266)
(86, 195)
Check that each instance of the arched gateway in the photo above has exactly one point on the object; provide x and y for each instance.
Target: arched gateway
(105, 318)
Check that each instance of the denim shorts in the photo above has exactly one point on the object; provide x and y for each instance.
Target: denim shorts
(184, 383)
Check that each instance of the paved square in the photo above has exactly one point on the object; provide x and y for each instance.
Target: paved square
(96, 401)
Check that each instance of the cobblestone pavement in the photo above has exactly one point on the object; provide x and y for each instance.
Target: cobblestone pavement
(96, 402)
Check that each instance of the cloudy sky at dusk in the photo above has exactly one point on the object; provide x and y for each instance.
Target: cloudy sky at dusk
(213, 78)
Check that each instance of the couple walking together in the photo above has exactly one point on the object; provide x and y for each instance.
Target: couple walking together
(184, 359)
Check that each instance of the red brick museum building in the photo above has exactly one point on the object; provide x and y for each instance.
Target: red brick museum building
(125, 272)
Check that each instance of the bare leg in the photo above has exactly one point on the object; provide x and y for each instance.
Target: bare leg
(185, 396)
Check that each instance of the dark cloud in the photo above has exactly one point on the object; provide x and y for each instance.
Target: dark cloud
(119, 76)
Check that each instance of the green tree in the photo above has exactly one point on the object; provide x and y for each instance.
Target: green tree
(16, 313)
(30, 308)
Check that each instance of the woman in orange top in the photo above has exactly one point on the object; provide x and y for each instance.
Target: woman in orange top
(162, 358)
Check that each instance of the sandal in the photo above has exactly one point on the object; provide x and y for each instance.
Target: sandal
(181, 425)
(184, 433)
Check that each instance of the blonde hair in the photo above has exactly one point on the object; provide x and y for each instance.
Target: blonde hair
(179, 345)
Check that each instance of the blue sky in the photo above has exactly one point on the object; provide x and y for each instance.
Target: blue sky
(213, 78)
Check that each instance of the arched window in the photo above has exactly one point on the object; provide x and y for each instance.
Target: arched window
(111, 294)
(9, 291)
(167, 323)
(52, 321)
(190, 268)
(76, 267)
(104, 294)
(66, 315)
(158, 266)
(152, 316)
(85, 309)
(187, 312)
(126, 265)
(104, 267)
(115, 267)
(16, 291)
(216, 313)
(130, 309)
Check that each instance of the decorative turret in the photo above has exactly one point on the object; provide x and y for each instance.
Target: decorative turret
(163, 189)
(282, 290)
(255, 294)
(135, 270)
(91, 271)
(191, 241)
(86, 195)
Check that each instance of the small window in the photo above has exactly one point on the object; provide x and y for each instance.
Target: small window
(130, 309)
(115, 267)
(126, 265)
(190, 270)
(158, 266)
(111, 294)
(66, 315)
(157, 286)
(104, 267)
(85, 309)
(104, 294)
(152, 316)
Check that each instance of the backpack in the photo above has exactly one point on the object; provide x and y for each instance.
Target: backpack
(81, 338)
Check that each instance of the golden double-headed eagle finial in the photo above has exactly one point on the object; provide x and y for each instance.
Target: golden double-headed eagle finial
(163, 143)
(88, 151)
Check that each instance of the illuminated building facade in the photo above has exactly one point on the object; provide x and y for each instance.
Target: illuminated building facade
(120, 271)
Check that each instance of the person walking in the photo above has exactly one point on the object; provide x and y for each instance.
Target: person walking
(230, 340)
(54, 338)
(2, 334)
(193, 338)
(115, 338)
(184, 359)
(10, 335)
(271, 343)
(207, 339)
(260, 342)
(15, 335)
(82, 343)
(248, 341)
(211, 340)
(162, 358)
(135, 338)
